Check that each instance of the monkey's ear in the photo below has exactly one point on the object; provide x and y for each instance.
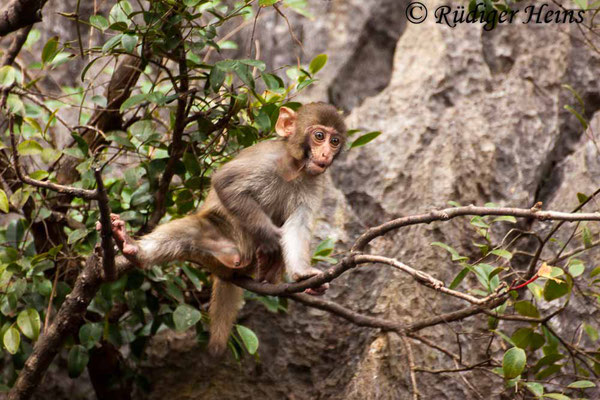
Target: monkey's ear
(286, 123)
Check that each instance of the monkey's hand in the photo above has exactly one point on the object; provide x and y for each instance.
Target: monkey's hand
(309, 273)
(124, 242)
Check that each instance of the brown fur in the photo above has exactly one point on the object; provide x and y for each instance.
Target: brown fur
(257, 213)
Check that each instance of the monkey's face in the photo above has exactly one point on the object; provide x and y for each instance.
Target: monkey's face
(323, 144)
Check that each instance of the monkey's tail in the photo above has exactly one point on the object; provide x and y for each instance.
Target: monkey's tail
(225, 302)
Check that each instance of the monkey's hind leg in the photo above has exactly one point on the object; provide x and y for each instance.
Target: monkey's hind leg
(189, 239)
(225, 302)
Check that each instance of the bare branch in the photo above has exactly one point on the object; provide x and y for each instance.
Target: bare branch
(410, 358)
(449, 213)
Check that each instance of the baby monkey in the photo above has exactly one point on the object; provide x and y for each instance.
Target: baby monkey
(258, 215)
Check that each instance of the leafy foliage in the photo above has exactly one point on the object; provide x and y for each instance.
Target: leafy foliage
(186, 114)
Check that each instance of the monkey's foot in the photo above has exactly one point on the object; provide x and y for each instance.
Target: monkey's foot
(318, 291)
(124, 242)
(269, 266)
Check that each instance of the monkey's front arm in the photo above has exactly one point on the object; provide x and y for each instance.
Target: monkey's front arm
(295, 240)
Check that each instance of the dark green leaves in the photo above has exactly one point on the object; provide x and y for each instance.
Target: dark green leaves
(77, 360)
(554, 290)
(527, 309)
(90, 334)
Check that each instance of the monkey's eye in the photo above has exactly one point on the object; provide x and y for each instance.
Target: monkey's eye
(335, 142)
(319, 135)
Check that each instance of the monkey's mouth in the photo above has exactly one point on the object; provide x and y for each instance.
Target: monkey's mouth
(316, 167)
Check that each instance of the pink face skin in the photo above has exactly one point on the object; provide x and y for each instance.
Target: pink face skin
(324, 144)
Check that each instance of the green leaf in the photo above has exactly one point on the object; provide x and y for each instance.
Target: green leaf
(248, 338)
(185, 316)
(191, 164)
(3, 201)
(513, 362)
(324, 248)
(29, 148)
(133, 101)
(522, 337)
(19, 198)
(587, 237)
(216, 77)
(527, 309)
(591, 332)
(8, 75)
(557, 396)
(317, 63)
(194, 276)
(39, 174)
(272, 81)
(459, 278)
(29, 323)
(111, 43)
(77, 235)
(582, 197)
(244, 73)
(12, 340)
(554, 290)
(505, 218)
(536, 388)
(77, 360)
(98, 21)
(503, 336)
(581, 385)
(266, 3)
(304, 84)
(551, 370)
(90, 334)
(479, 222)
(50, 50)
(129, 42)
(454, 253)
(576, 267)
(581, 119)
(502, 253)
(260, 65)
(364, 139)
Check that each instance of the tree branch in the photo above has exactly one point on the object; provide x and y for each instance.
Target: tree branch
(17, 14)
(68, 317)
(449, 213)
(108, 248)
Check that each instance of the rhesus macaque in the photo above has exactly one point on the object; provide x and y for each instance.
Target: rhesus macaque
(257, 217)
